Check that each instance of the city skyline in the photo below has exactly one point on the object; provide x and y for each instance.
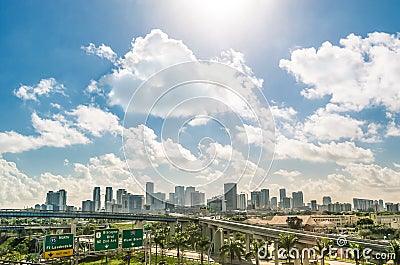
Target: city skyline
(310, 86)
(152, 201)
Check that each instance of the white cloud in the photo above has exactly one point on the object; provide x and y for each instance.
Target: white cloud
(18, 190)
(96, 121)
(93, 87)
(283, 113)
(249, 134)
(44, 88)
(339, 153)
(392, 130)
(53, 133)
(103, 51)
(359, 74)
(286, 173)
(331, 126)
(143, 150)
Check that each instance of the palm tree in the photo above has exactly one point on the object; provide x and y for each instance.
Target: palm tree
(395, 249)
(287, 242)
(253, 253)
(357, 249)
(321, 247)
(194, 232)
(203, 244)
(232, 248)
(179, 240)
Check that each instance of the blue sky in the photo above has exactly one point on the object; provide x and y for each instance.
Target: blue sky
(63, 88)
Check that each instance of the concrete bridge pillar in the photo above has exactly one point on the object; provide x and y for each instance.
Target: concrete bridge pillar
(139, 224)
(218, 240)
(73, 226)
(276, 248)
(248, 241)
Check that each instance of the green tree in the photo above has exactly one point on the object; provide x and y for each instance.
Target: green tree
(287, 242)
(233, 249)
(395, 249)
(13, 255)
(179, 241)
(294, 222)
(357, 250)
(322, 247)
(203, 245)
(365, 222)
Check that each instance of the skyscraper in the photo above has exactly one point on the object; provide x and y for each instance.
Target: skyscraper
(297, 199)
(57, 200)
(180, 195)
(120, 192)
(96, 199)
(326, 200)
(242, 201)
(314, 205)
(274, 202)
(264, 200)
(230, 196)
(109, 195)
(255, 197)
(149, 193)
(282, 194)
(188, 195)
(197, 198)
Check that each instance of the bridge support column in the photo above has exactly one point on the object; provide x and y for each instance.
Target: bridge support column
(139, 224)
(73, 226)
(248, 241)
(218, 240)
(276, 248)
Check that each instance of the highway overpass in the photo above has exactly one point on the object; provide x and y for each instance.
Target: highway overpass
(89, 215)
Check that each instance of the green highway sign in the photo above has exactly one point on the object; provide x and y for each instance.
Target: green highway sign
(58, 245)
(106, 239)
(132, 238)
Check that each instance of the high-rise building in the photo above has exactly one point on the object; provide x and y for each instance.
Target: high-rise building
(286, 203)
(297, 200)
(230, 196)
(159, 199)
(217, 203)
(314, 206)
(171, 198)
(63, 200)
(149, 193)
(180, 195)
(264, 200)
(109, 196)
(188, 195)
(120, 192)
(274, 202)
(197, 198)
(242, 201)
(326, 200)
(132, 203)
(362, 204)
(282, 194)
(87, 206)
(381, 206)
(96, 199)
(255, 197)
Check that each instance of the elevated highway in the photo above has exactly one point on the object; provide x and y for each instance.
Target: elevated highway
(89, 215)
